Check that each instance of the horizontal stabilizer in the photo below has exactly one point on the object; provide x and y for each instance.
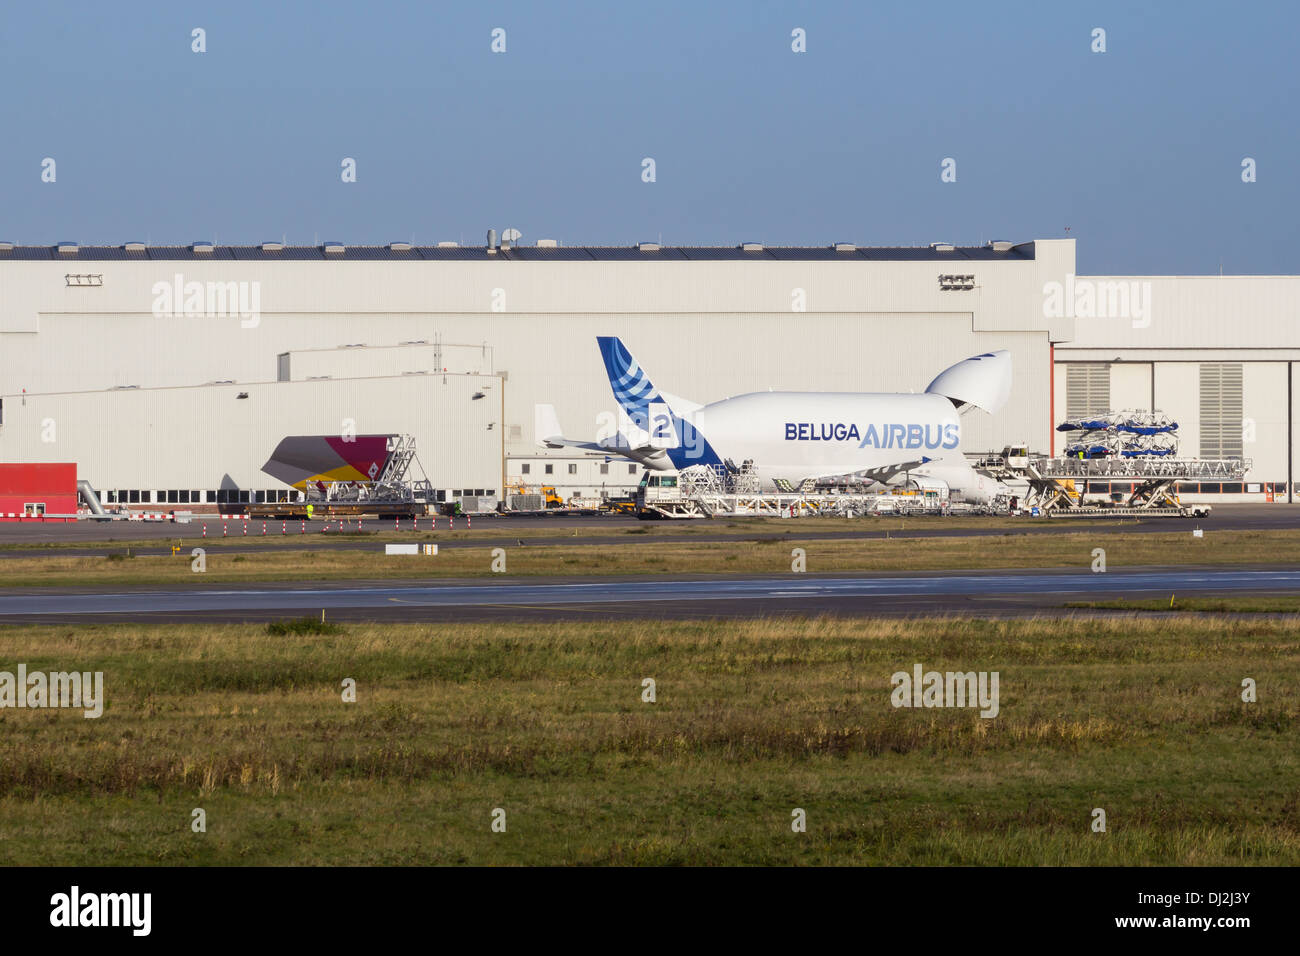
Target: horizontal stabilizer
(546, 426)
(549, 434)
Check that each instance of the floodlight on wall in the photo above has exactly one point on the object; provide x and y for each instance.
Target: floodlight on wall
(956, 283)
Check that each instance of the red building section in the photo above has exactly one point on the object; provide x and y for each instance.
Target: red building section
(30, 490)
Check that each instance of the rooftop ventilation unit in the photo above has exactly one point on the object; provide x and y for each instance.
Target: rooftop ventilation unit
(6, 246)
(648, 246)
(399, 247)
(449, 245)
(334, 248)
(133, 246)
(67, 248)
(547, 244)
(205, 247)
(1001, 245)
(942, 246)
(845, 247)
(272, 246)
(751, 247)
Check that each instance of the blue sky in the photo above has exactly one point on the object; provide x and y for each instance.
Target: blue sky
(1137, 150)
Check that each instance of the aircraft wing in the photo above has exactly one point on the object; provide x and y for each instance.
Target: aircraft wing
(883, 473)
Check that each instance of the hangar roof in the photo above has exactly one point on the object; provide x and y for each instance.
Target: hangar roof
(68, 252)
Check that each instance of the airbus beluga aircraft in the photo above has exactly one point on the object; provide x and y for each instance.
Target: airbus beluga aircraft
(790, 437)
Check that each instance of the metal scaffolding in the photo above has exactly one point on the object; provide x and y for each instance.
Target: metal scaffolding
(1061, 484)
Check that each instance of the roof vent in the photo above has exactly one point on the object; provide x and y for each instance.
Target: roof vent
(449, 245)
(942, 246)
(202, 246)
(399, 247)
(845, 247)
(133, 246)
(272, 246)
(334, 248)
(547, 244)
(6, 246)
(648, 246)
(68, 248)
(1001, 245)
(751, 247)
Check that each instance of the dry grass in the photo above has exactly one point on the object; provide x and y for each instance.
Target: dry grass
(669, 557)
(189, 535)
(753, 718)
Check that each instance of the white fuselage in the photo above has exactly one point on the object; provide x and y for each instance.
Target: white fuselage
(793, 436)
(796, 435)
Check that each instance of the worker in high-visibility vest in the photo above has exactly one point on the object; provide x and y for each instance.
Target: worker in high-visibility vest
(310, 509)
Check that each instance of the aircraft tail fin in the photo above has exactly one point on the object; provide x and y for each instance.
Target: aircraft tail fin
(651, 417)
(632, 387)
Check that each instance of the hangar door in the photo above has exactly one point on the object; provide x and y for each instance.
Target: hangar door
(1087, 389)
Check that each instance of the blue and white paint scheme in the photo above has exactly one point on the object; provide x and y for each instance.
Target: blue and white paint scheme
(790, 437)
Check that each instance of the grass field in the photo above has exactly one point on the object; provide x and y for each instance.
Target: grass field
(1249, 604)
(499, 527)
(747, 555)
(1140, 717)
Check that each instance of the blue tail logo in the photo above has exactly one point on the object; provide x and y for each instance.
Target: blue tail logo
(647, 409)
(633, 389)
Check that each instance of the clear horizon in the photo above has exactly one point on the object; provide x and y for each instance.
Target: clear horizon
(1137, 150)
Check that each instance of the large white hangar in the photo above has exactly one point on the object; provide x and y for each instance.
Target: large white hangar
(168, 374)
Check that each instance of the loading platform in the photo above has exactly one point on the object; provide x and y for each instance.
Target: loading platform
(1060, 486)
